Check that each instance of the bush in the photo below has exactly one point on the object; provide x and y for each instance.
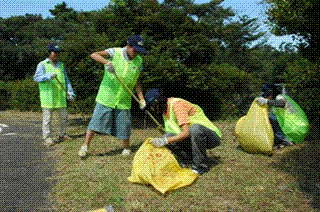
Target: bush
(24, 95)
(4, 96)
(303, 77)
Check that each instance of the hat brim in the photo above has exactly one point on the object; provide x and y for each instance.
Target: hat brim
(140, 49)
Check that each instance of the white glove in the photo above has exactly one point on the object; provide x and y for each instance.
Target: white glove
(71, 97)
(53, 75)
(159, 142)
(143, 104)
(262, 101)
(110, 68)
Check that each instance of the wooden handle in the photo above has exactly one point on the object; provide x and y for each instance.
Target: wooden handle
(68, 94)
(160, 128)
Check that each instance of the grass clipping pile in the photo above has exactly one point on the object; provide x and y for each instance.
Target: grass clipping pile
(158, 167)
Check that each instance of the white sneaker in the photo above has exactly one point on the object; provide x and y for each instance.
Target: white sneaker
(48, 142)
(126, 152)
(83, 151)
(195, 171)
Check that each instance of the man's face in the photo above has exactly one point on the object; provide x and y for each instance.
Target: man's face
(132, 53)
(54, 56)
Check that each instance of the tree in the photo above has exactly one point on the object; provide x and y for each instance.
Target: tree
(59, 9)
(300, 18)
(237, 38)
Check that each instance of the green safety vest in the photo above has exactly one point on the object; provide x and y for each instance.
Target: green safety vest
(172, 126)
(111, 92)
(52, 95)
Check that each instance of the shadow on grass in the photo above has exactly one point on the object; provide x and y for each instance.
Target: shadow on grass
(79, 122)
(303, 164)
(134, 148)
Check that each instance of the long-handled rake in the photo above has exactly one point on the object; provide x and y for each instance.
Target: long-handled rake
(75, 104)
(160, 128)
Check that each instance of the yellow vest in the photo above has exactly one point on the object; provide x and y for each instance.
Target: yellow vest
(111, 92)
(52, 95)
(172, 126)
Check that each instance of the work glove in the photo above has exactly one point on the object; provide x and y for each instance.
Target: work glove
(262, 101)
(110, 68)
(71, 97)
(143, 105)
(53, 75)
(159, 142)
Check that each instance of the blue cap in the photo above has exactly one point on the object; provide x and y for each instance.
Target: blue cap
(53, 47)
(137, 43)
(152, 95)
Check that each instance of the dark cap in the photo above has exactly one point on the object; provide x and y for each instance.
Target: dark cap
(137, 43)
(53, 47)
(154, 96)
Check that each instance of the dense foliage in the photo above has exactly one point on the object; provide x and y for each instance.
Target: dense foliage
(193, 52)
(300, 18)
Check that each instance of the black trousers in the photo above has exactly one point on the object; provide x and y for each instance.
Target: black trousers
(193, 149)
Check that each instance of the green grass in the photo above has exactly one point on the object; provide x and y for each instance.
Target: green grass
(240, 182)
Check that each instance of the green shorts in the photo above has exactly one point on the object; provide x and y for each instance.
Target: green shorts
(115, 122)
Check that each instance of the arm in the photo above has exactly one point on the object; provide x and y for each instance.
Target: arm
(181, 110)
(41, 75)
(180, 137)
(138, 89)
(101, 57)
(68, 84)
(280, 101)
(277, 103)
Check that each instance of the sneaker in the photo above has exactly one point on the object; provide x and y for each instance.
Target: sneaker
(200, 169)
(49, 142)
(126, 152)
(195, 171)
(83, 151)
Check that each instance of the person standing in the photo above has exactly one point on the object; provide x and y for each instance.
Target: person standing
(113, 103)
(53, 84)
(189, 133)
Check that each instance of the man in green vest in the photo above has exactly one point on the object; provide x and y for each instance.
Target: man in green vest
(189, 133)
(53, 84)
(113, 102)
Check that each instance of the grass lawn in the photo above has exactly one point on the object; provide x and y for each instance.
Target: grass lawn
(285, 181)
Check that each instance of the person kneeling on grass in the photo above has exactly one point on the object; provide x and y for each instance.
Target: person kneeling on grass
(113, 102)
(189, 133)
(272, 97)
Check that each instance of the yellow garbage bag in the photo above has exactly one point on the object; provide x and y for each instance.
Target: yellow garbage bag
(254, 131)
(158, 167)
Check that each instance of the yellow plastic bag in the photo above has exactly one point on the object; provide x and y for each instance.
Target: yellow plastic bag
(158, 167)
(254, 131)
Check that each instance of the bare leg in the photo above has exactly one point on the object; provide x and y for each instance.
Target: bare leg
(89, 136)
(126, 144)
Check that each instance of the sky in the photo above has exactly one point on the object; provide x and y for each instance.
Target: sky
(252, 8)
